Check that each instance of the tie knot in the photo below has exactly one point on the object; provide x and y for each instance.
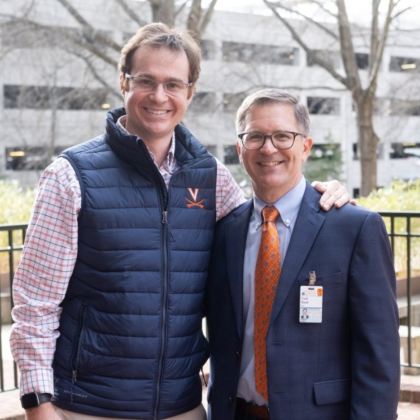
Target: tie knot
(270, 214)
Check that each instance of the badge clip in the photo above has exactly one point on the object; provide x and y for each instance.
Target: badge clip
(312, 278)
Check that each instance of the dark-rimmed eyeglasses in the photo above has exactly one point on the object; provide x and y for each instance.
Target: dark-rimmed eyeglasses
(282, 140)
(145, 84)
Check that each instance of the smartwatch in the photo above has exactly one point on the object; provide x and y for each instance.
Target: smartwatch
(34, 399)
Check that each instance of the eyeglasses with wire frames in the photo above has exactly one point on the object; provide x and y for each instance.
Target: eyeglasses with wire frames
(145, 84)
(282, 140)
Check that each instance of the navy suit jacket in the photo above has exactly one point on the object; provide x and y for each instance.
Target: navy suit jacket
(346, 367)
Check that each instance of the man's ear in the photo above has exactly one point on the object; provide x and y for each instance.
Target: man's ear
(123, 83)
(307, 146)
(239, 150)
(190, 93)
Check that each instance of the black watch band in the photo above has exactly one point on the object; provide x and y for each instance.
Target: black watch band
(33, 399)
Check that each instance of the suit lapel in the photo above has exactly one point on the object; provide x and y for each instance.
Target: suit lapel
(235, 252)
(308, 223)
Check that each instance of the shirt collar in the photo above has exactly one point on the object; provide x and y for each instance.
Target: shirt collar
(171, 153)
(288, 206)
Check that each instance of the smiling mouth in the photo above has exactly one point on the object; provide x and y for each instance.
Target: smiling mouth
(271, 163)
(156, 112)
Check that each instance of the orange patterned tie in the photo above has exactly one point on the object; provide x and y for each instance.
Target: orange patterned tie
(267, 273)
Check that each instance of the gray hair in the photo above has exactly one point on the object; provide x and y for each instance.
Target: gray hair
(270, 96)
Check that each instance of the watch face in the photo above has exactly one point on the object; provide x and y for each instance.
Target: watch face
(30, 400)
(33, 399)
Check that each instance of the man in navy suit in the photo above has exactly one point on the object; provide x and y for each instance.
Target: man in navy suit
(342, 362)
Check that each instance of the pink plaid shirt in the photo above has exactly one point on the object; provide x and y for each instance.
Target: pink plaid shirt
(49, 256)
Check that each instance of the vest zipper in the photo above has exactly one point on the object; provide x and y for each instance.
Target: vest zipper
(164, 310)
(163, 198)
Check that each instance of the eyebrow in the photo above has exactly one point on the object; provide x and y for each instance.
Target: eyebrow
(150, 76)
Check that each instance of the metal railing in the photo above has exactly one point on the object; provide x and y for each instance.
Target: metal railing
(403, 230)
(404, 233)
(12, 237)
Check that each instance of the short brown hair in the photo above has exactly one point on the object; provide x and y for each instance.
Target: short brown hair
(270, 96)
(159, 35)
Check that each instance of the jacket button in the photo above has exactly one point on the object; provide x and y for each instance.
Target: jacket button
(230, 400)
(238, 355)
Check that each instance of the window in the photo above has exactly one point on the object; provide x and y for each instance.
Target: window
(404, 107)
(362, 61)
(271, 54)
(30, 158)
(203, 102)
(404, 150)
(232, 101)
(208, 49)
(323, 106)
(379, 151)
(45, 97)
(231, 155)
(331, 57)
(404, 64)
(212, 148)
(324, 151)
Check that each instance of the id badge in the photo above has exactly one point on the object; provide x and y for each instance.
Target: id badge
(310, 307)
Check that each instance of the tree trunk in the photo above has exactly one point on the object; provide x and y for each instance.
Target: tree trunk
(163, 11)
(367, 141)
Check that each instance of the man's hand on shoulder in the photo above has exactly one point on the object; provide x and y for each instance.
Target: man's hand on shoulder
(334, 193)
(45, 411)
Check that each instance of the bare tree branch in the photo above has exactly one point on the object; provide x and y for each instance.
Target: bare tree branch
(181, 8)
(131, 13)
(347, 48)
(194, 16)
(163, 11)
(315, 57)
(207, 17)
(116, 93)
(331, 33)
(374, 33)
(91, 33)
(381, 43)
(401, 12)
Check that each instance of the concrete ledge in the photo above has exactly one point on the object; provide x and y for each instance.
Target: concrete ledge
(10, 406)
(410, 389)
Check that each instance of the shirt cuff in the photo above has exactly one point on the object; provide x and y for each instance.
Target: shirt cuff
(41, 381)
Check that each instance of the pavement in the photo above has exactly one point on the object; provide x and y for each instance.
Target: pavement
(10, 409)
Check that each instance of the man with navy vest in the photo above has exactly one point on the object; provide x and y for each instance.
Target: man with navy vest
(301, 307)
(108, 295)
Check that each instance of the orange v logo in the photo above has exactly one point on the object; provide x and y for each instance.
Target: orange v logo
(194, 195)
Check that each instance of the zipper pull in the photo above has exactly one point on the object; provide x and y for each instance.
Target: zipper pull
(165, 222)
(74, 377)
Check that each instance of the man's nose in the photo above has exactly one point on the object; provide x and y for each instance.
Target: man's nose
(268, 146)
(159, 93)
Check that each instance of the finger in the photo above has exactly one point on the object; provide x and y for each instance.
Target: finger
(337, 198)
(320, 186)
(334, 191)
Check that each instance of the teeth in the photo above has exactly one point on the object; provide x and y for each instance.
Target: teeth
(152, 111)
(269, 163)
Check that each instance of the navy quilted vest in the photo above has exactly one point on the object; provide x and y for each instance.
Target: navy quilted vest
(131, 343)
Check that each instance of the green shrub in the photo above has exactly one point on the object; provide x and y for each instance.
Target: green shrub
(15, 207)
(15, 203)
(400, 196)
